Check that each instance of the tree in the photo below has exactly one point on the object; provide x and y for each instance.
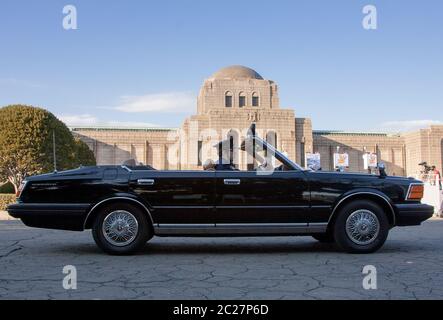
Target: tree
(26, 146)
(84, 155)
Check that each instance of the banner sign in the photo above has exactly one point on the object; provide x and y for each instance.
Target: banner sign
(341, 160)
(313, 161)
(370, 160)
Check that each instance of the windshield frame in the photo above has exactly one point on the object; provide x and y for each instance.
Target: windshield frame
(277, 154)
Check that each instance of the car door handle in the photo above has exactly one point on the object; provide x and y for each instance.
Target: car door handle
(232, 182)
(146, 182)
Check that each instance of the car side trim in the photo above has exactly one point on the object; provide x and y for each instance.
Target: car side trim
(318, 227)
(117, 198)
(239, 229)
(264, 206)
(232, 207)
(183, 207)
(359, 193)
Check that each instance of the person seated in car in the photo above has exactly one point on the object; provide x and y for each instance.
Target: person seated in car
(209, 165)
(224, 165)
(226, 156)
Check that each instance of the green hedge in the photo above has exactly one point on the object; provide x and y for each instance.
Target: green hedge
(7, 188)
(5, 200)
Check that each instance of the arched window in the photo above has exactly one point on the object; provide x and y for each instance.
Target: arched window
(228, 99)
(242, 100)
(255, 100)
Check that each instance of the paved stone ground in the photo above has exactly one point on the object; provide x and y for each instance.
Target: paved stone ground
(5, 216)
(410, 266)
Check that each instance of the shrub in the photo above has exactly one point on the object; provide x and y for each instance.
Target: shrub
(26, 144)
(7, 188)
(5, 200)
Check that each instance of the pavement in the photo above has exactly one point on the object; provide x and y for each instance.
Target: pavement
(5, 216)
(409, 266)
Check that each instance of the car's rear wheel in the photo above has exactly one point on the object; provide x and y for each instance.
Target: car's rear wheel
(324, 237)
(121, 229)
(361, 227)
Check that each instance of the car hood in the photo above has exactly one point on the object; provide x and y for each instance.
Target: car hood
(356, 175)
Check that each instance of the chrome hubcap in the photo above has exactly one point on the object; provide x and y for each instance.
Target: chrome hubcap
(362, 227)
(120, 228)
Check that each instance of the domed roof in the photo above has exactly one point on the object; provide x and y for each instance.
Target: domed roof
(237, 72)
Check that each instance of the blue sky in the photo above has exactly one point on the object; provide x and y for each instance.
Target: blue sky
(157, 53)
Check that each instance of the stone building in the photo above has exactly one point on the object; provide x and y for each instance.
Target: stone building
(228, 102)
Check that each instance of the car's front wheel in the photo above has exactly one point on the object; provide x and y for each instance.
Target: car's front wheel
(121, 229)
(361, 227)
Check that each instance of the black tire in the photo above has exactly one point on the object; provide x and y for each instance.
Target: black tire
(324, 237)
(143, 234)
(345, 242)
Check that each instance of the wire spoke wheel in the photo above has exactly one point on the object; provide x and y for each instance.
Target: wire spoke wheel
(362, 227)
(120, 228)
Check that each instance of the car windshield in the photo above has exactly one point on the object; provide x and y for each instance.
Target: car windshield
(269, 151)
(259, 156)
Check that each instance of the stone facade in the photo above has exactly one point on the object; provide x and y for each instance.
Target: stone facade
(228, 102)
(424, 145)
(389, 148)
(116, 145)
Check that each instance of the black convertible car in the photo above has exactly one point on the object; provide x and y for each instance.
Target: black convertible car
(125, 206)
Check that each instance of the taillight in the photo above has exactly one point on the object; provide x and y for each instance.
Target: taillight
(20, 189)
(415, 192)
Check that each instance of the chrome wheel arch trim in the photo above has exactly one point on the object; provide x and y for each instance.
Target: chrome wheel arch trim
(118, 198)
(360, 193)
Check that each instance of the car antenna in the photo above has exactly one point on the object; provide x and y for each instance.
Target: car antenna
(54, 152)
